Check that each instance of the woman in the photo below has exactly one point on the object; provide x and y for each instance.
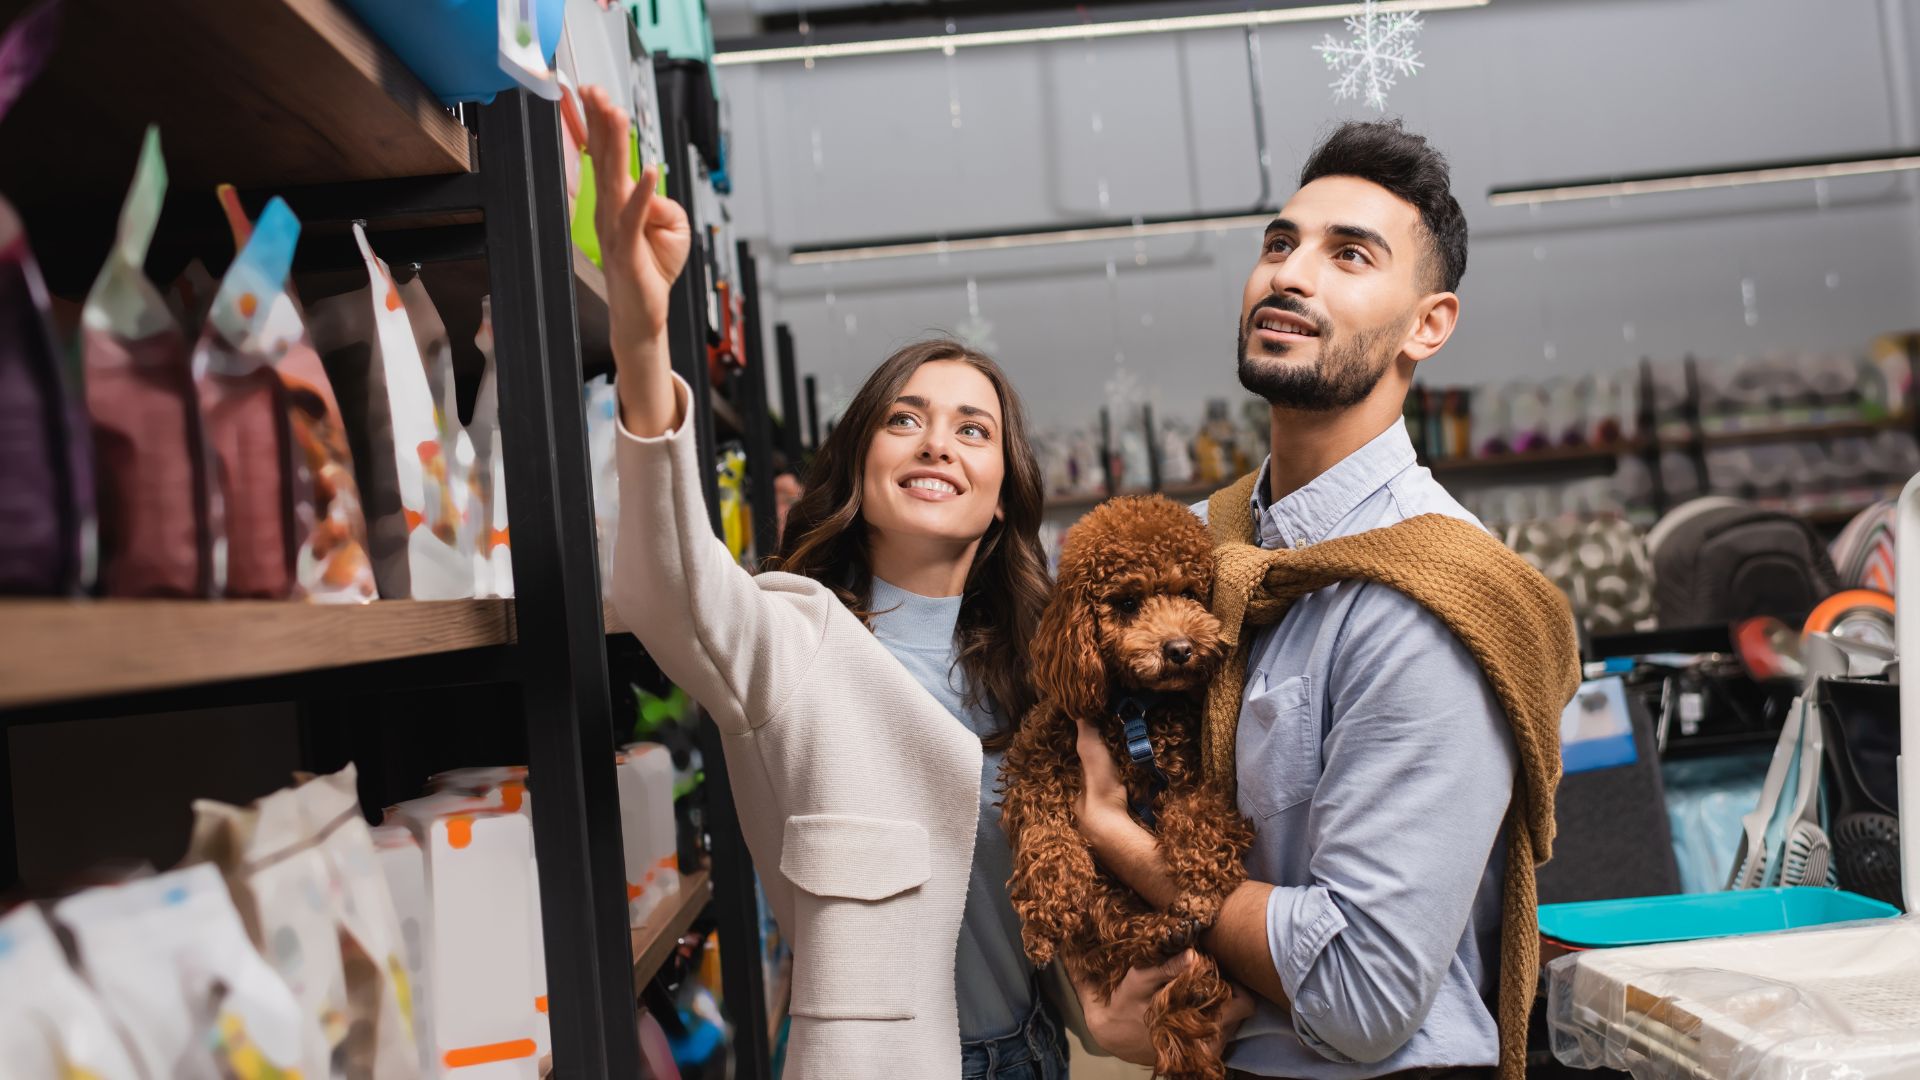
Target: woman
(863, 693)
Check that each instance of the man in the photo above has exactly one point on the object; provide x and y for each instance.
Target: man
(1372, 755)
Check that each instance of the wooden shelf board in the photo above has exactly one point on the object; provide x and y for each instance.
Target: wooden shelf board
(59, 650)
(1556, 457)
(256, 93)
(654, 942)
(1845, 429)
(1180, 493)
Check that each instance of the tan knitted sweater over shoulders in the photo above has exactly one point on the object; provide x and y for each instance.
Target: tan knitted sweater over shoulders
(1514, 622)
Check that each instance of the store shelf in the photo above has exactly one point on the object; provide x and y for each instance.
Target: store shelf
(1845, 429)
(62, 650)
(257, 93)
(654, 942)
(1559, 458)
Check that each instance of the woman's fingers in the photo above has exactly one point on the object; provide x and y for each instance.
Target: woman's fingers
(607, 143)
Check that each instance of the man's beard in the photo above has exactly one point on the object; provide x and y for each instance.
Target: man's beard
(1345, 372)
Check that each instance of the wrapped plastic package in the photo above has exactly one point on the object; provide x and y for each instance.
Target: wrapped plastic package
(173, 966)
(46, 459)
(1832, 1003)
(159, 517)
(244, 409)
(51, 1024)
(374, 362)
(493, 554)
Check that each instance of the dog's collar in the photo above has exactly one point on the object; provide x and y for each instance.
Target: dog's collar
(1131, 708)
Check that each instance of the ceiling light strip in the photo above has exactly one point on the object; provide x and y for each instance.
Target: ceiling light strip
(1011, 241)
(1727, 178)
(948, 43)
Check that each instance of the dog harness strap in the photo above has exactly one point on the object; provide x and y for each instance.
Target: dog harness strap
(1132, 712)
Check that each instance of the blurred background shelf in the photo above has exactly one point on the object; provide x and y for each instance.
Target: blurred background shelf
(654, 942)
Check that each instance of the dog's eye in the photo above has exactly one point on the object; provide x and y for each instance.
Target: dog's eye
(1126, 605)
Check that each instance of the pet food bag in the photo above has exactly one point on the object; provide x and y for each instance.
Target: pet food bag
(281, 888)
(503, 789)
(456, 446)
(493, 568)
(404, 867)
(245, 408)
(51, 1024)
(46, 460)
(487, 1014)
(380, 1042)
(158, 514)
(371, 356)
(603, 441)
(647, 833)
(172, 965)
(330, 529)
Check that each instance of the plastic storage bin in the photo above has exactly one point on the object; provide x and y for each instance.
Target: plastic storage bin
(1653, 920)
(454, 45)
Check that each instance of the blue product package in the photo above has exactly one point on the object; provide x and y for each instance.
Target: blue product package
(454, 45)
(1596, 731)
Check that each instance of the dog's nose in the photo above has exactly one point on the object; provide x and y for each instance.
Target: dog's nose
(1178, 652)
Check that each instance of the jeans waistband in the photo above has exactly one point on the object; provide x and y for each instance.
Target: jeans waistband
(1038, 1038)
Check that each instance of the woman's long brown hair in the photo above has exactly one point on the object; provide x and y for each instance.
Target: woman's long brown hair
(826, 539)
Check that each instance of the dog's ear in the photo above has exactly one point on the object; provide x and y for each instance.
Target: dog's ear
(1067, 669)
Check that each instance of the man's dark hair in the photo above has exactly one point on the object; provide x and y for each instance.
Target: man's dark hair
(1385, 153)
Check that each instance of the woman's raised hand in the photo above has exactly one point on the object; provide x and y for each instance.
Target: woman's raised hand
(644, 240)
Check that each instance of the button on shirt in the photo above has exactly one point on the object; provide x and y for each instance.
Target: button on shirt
(1376, 765)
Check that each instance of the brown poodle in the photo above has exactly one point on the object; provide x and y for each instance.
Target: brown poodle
(1127, 635)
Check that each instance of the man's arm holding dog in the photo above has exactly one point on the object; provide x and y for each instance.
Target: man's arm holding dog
(1238, 938)
(1417, 776)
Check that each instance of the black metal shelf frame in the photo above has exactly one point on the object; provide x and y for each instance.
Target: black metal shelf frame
(513, 212)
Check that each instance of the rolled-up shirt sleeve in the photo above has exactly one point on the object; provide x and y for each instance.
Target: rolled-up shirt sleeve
(1418, 772)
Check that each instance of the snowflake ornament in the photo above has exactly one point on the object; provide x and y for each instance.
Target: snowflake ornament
(976, 333)
(1379, 52)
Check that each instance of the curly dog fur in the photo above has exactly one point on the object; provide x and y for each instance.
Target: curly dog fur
(1128, 613)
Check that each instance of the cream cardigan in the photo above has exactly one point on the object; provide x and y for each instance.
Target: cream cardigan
(858, 793)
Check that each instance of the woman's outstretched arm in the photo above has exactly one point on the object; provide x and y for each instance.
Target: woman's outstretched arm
(737, 648)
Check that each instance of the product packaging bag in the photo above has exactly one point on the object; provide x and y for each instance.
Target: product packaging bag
(501, 789)
(245, 409)
(380, 1043)
(371, 356)
(486, 1011)
(603, 440)
(330, 528)
(172, 964)
(493, 569)
(404, 867)
(456, 446)
(280, 887)
(647, 833)
(51, 1024)
(46, 458)
(159, 521)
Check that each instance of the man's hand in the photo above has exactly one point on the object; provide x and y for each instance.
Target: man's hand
(1119, 1025)
(1101, 807)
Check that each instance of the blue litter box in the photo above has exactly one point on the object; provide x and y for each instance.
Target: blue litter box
(1653, 920)
(454, 45)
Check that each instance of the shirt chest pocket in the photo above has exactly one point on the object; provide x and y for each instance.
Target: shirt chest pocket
(1277, 748)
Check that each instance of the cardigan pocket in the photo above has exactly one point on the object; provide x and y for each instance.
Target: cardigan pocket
(854, 877)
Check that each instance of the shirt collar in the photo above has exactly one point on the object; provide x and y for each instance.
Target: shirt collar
(1310, 514)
